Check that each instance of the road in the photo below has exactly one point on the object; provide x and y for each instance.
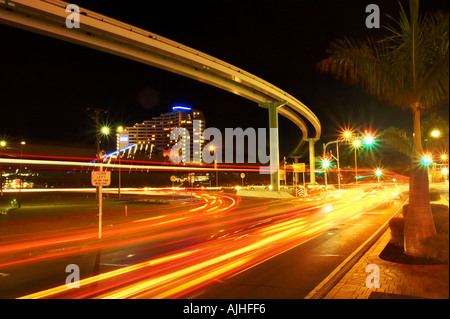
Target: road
(198, 245)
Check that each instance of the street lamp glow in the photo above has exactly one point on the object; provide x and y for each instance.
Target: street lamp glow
(119, 129)
(105, 130)
(347, 135)
(2, 143)
(435, 133)
(356, 143)
(325, 163)
(378, 172)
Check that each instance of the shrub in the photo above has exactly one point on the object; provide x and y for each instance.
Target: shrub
(440, 217)
(434, 194)
(405, 210)
(438, 247)
(397, 225)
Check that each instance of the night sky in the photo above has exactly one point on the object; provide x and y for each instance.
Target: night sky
(46, 84)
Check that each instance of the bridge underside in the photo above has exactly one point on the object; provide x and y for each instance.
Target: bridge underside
(112, 36)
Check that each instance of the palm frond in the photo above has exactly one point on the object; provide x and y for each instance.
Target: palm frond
(408, 66)
(398, 139)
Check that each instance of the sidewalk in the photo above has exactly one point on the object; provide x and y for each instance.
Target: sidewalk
(396, 281)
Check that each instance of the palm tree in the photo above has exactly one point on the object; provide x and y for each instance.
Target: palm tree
(400, 140)
(409, 69)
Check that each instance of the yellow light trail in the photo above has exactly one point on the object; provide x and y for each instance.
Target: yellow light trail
(93, 279)
(225, 256)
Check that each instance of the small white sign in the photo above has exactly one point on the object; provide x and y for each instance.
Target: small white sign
(101, 178)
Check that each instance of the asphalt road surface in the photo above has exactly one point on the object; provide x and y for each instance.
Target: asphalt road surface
(192, 245)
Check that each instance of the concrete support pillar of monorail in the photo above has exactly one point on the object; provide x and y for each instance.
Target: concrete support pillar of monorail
(312, 160)
(274, 142)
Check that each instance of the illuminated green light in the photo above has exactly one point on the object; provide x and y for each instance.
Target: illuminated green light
(427, 159)
(368, 140)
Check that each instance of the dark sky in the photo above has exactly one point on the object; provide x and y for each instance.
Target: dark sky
(46, 84)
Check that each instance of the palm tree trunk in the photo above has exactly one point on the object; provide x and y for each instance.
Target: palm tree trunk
(419, 223)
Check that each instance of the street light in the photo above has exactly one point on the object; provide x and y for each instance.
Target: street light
(445, 172)
(105, 130)
(2, 146)
(378, 172)
(212, 149)
(119, 129)
(435, 133)
(22, 143)
(345, 137)
(356, 145)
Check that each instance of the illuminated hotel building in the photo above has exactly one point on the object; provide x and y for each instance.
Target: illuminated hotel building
(156, 132)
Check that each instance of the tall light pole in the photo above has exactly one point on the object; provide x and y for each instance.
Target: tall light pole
(22, 143)
(119, 129)
(2, 147)
(378, 172)
(337, 158)
(212, 149)
(104, 130)
(356, 144)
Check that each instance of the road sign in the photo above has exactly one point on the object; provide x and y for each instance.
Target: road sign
(101, 178)
(242, 175)
(299, 167)
(173, 178)
(282, 175)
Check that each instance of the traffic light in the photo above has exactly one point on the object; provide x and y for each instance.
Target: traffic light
(325, 162)
(427, 159)
(368, 139)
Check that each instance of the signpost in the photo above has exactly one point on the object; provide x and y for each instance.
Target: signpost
(283, 175)
(242, 176)
(100, 178)
(300, 168)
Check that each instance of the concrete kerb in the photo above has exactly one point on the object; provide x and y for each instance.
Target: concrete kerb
(263, 194)
(322, 289)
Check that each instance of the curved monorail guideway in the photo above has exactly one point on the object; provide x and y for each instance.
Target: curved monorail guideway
(102, 33)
